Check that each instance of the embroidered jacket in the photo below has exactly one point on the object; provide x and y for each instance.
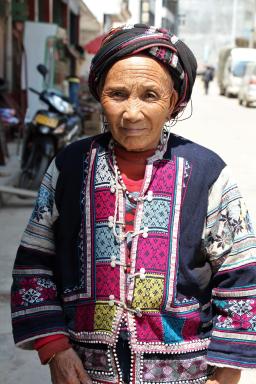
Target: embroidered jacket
(197, 247)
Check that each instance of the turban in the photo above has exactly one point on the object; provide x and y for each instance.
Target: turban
(157, 43)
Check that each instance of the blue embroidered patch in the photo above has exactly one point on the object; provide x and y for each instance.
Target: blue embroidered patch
(172, 329)
(105, 243)
(44, 203)
(156, 215)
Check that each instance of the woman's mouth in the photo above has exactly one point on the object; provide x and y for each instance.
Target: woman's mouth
(133, 131)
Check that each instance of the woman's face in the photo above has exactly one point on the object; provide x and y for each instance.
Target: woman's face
(137, 98)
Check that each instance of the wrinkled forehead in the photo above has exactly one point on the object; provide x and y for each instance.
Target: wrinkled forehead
(140, 65)
(135, 68)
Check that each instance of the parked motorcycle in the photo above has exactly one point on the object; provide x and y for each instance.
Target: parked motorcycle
(50, 130)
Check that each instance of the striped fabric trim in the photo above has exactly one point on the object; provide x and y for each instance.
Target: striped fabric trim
(88, 216)
(77, 296)
(39, 234)
(137, 226)
(243, 292)
(185, 309)
(32, 272)
(36, 310)
(175, 231)
(235, 336)
(231, 196)
(221, 363)
(122, 248)
(233, 263)
(182, 347)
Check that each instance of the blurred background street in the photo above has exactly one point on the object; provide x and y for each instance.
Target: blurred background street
(63, 36)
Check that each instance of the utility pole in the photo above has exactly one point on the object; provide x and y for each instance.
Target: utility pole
(234, 22)
(8, 61)
(253, 30)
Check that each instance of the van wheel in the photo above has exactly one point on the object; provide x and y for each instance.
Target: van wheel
(227, 94)
(240, 102)
(245, 103)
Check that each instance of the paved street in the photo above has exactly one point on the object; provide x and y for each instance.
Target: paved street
(218, 123)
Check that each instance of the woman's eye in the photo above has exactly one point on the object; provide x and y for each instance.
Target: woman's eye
(150, 96)
(118, 95)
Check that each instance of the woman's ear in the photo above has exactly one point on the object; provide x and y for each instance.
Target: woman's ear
(173, 102)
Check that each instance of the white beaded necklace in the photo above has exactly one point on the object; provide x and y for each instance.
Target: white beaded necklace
(118, 184)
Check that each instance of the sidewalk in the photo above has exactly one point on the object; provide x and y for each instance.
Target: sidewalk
(10, 171)
(15, 365)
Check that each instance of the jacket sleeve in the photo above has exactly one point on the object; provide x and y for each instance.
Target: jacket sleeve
(231, 249)
(36, 308)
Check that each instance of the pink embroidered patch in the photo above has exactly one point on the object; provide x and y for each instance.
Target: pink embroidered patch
(84, 318)
(107, 281)
(153, 253)
(164, 175)
(149, 328)
(190, 328)
(104, 204)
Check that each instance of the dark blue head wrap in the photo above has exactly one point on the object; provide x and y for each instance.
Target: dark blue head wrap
(159, 44)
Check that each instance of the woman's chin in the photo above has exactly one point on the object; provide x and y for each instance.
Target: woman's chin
(133, 144)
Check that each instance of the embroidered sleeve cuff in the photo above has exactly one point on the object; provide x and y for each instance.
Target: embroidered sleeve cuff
(238, 359)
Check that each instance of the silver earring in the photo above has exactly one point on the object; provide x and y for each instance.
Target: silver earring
(104, 125)
(165, 133)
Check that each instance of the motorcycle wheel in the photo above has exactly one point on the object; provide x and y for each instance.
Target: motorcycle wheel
(31, 177)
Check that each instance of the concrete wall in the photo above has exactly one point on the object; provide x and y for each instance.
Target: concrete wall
(2, 47)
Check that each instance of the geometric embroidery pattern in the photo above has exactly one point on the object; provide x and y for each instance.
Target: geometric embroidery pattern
(148, 292)
(190, 328)
(44, 203)
(156, 214)
(99, 361)
(104, 204)
(149, 328)
(107, 281)
(172, 328)
(152, 253)
(105, 244)
(84, 317)
(237, 315)
(103, 318)
(38, 232)
(174, 370)
(95, 359)
(103, 175)
(165, 176)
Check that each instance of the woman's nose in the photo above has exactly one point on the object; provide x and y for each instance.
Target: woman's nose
(133, 111)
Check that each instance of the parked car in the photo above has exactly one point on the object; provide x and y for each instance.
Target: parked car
(247, 91)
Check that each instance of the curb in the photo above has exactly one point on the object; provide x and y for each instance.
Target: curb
(5, 297)
(9, 173)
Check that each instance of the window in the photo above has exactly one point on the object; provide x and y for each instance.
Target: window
(238, 69)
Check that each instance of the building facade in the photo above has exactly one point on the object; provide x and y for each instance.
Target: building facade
(16, 63)
(208, 25)
(161, 13)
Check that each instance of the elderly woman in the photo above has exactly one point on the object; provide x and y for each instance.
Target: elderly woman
(138, 262)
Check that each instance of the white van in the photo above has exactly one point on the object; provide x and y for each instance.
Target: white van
(234, 69)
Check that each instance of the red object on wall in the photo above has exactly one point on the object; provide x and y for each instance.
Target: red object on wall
(31, 10)
(94, 45)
